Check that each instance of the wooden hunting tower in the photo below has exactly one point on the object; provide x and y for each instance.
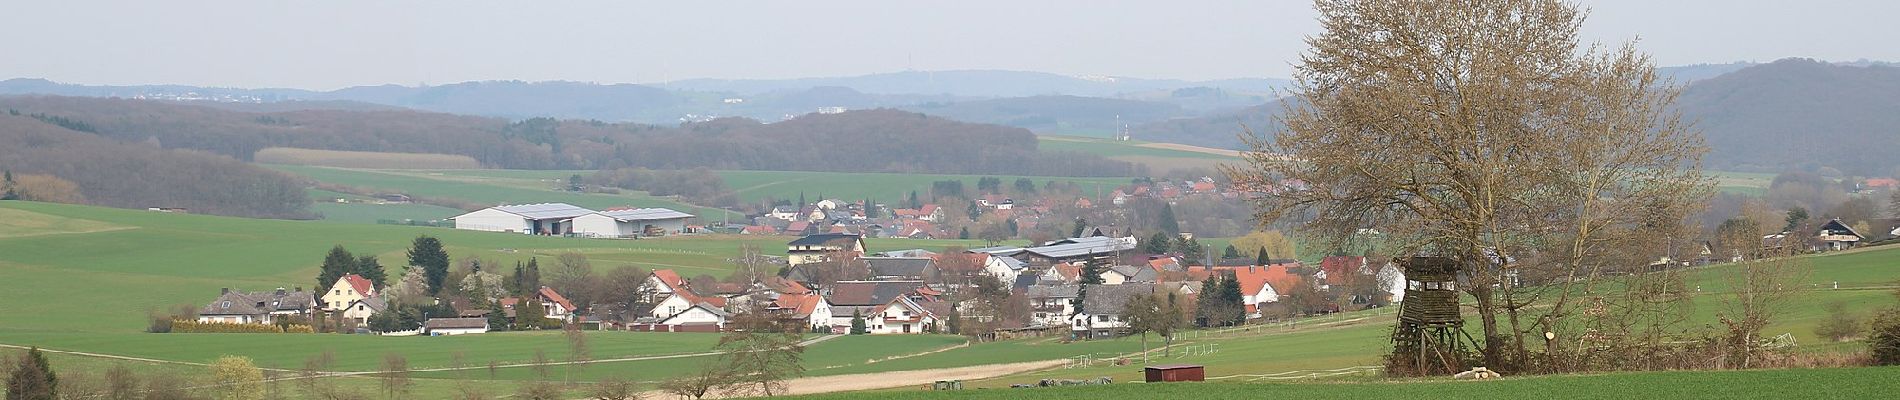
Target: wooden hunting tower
(1428, 337)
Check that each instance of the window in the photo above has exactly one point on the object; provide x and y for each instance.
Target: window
(1101, 318)
(227, 304)
(338, 291)
(907, 313)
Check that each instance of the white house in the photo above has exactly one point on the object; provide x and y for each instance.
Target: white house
(703, 316)
(455, 326)
(1101, 313)
(820, 247)
(904, 315)
(553, 305)
(810, 309)
(359, 311)
(346, 290)
(1051, 305)
(631, 223)
(237, 307)
(539, 219)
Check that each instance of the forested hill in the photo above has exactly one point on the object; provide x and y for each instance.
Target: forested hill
(134, 175)
(1789, 114)
(857, 141)
(1795, 113)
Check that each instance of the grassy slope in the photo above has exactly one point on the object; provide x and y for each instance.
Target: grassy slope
(525, 187)
(1850, 383)
(100, 283)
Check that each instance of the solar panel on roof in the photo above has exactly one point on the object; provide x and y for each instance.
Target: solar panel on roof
(545, 210)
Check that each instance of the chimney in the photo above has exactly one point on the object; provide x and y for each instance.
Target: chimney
(224, 291)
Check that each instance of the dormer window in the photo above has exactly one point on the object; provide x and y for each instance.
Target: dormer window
(227, 304)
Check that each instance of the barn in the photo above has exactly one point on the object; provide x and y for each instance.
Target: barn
(539, 219)
(632, 222)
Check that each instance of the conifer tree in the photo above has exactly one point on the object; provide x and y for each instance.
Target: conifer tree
(338, 263)
(1263, 259)
(367, 267)
(1167, 222)
(857, 322)
(1230, 252)
(426, 252)
(33, 379)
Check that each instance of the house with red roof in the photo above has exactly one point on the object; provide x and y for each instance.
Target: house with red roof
(346, 290)
(1260, 285)
(808, 310)
(553, 305)
(905, 314)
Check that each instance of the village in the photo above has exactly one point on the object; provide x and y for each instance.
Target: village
(1081, 286)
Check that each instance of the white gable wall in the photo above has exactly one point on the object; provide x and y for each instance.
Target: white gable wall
(696, 315)
(598, 225)
(493, 220)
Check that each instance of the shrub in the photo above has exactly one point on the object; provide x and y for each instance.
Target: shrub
(1883, 339)
(1840, 324)
(192, 326)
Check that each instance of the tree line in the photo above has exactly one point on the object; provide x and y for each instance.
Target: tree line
(857, 141)
(51, 163)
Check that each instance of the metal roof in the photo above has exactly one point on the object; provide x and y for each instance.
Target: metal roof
(645, 214)
(1084, 247)
(544, 210)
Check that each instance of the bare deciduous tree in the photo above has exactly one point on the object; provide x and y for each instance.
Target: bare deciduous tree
(1481, 131)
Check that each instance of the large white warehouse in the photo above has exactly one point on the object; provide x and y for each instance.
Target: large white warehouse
(631, 222)
(538, 219)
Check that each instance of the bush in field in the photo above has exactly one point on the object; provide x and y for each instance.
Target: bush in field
(1883, 339)
(1840, 324)
(190, 326)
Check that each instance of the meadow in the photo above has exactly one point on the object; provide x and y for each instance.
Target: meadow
(100, 269)
(362, 159)
(1840, 383)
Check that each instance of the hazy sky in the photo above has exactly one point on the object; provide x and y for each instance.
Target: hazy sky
(330, 44)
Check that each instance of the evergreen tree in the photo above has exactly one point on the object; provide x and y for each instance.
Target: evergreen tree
(8, 183)
(1263, 259)
(1230, 295)
(1157, 244)
(33, 379)
(338, 263)
(914, 204)
(870, 209)
(533, 281)
(801, 200)
(497, 317)
(1080, 224)
(964, 234)
(1011, 224)
(1190, 249)
(975, 211)
(516, 281)
(1205, 304)
(857, 323)
(1230, 252)
(426, 252)
(955, 324)
(1167, 222)
(1091, 275)
(369, 268)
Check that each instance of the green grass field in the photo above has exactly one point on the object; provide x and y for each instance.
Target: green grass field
(101, 269)
(472, 186)
(752, 186)
(1846, 383)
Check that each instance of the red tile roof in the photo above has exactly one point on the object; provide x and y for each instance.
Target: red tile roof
(549, 294)
(360, 284)
(671, 279)
(800, 304)
(1338, 268)
(1252, 279)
